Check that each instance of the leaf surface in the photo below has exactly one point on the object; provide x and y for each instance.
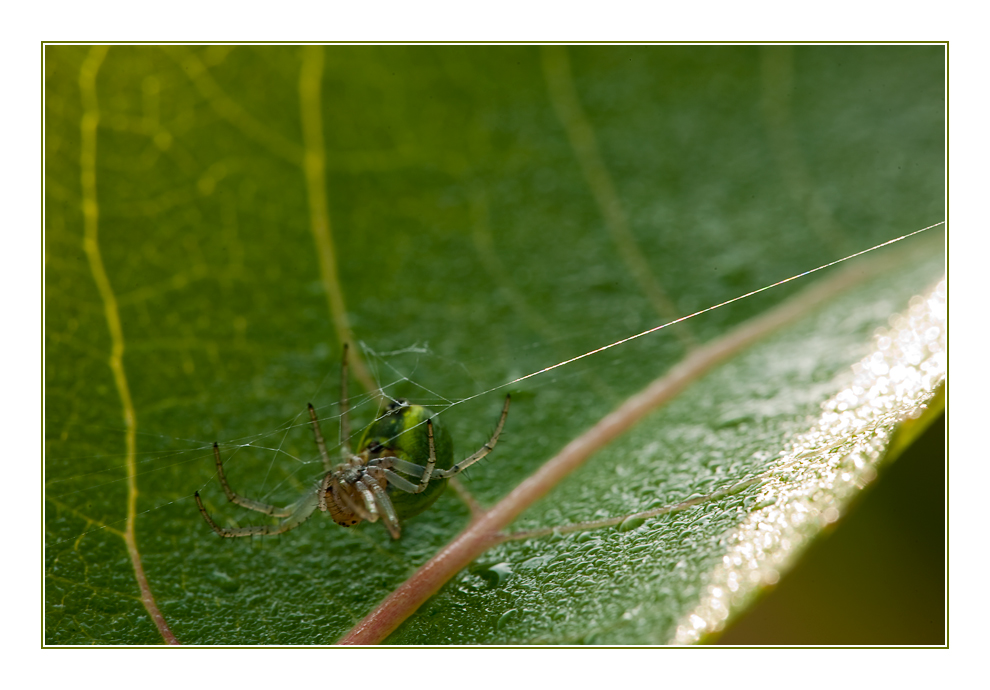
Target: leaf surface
(491, 210)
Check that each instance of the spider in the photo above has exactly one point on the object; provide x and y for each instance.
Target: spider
(369, 484)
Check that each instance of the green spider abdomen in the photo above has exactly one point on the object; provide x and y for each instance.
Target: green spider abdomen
(402, 433)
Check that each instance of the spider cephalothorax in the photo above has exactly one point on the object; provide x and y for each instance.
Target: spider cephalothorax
(401, 466)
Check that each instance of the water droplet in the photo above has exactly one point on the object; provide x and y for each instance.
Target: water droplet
(764, 504)
(535, 562)
(504, 618)
(498, 574)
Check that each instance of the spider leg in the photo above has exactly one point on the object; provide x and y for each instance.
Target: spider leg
(355, 507)
(401, 482)
(480, 453)
(389, 517)
(320, 443)
(369, 500)
(385, 464)
(301, 510)
(345, 422)
(432, 462)
(389, 462)
(265, 508)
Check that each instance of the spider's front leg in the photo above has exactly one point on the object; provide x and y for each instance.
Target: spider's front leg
(481, 452)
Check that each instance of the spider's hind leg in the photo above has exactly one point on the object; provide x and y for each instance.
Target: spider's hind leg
(249, 503)
(320, 443)
(345, 422)
(297, 514)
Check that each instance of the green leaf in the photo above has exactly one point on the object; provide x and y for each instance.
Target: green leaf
(492, 211)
